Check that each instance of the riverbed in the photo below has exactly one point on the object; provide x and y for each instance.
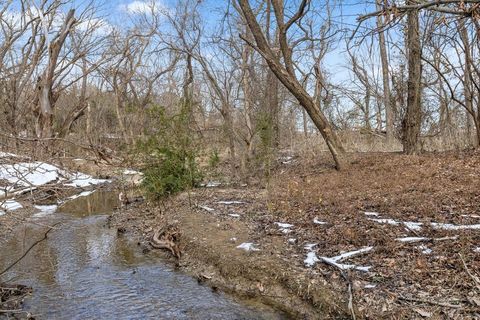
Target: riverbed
(85, 270)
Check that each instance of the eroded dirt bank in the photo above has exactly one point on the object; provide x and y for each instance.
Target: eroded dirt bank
(402, 232)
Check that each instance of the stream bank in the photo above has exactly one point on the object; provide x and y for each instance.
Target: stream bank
(86, 270)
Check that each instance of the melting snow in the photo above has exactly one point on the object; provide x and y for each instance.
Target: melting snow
(412, 239)
(284, 227)
(316, 221)
(235, 215)
(10, 205)
(449, 226)
(425, 249)
(409, 224)
(477, 249)
(309, 246)
(312, 259)
(40, 173)
(230, 202)
(248, 246)
(45, 210)
(206, 208)
(370, 286)
(130, 172)
(82, 194)
(371, 214)
(7, 155)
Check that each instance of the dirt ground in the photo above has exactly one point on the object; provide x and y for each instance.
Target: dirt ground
(431, 202)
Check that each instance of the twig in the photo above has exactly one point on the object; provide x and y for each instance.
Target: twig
(349, 285)
(474, 277)
(28, 250)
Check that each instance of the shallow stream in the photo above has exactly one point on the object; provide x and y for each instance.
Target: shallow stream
(85, 270)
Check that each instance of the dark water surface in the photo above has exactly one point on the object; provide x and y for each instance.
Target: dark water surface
(84, 270)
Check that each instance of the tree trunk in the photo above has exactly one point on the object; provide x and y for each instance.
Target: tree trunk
(286, 74)
(413, 116)
(386, 78)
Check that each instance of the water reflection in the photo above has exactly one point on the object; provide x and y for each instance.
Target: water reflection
(86, 271)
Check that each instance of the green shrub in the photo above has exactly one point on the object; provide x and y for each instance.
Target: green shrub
(170, 153)
(213, 160)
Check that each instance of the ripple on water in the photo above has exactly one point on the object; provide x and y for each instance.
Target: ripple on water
(86, 271)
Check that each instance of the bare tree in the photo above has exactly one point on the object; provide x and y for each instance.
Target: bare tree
(285, 71)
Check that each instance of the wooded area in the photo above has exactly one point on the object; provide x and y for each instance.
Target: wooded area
(259, 122)
(261, 72)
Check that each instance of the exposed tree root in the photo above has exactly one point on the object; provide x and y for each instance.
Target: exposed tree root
(166, 238)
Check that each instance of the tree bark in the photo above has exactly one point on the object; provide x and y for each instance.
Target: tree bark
(385, 77)
(46, 101)
(286, 74)
(413, 116)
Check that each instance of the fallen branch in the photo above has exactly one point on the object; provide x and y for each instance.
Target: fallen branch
(474, 277)
(28, 250)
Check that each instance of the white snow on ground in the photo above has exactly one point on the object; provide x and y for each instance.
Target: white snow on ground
(10, 205)
(82, 180)
(206, 208)
(284, 227)
(449, 226)
(309, 246)
(312, 259)
(7, 155)
(211, 184)
(230, 202)
(412, 239)
(476, 216)
(316, 221)
(40, 173)
(28, 174)
(409, 224)
(81, 194)
(1, 213)
(371, 214)
(235, 215)
(129, 172)
(248, 246)
(477, 249)
(370, 286)
(425, 249)
(45, 210)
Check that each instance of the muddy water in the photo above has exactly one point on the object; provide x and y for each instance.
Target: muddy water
(84, 270)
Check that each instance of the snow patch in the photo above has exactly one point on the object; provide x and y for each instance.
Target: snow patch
(206, 208)
(10, 205)
(309, 246)
(425, 249)
(316, 221)
(235, 215)
(45, 210)
(230, 202)
(477, 250)
(371, 214)
(130, 172)
(335, 261)
(412, 239)
(7, 155)
(284, 227)
(449, 226)
(370, 286)
(81, 194)
(409, 224)
(311, 259)
(248, 246)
